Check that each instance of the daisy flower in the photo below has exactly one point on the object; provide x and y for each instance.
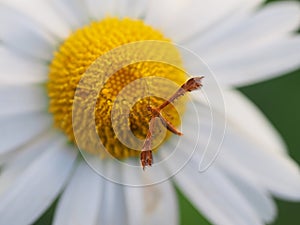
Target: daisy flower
(48, 46)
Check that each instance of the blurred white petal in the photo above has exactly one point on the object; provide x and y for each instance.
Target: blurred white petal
(37, 187)
(260, 64)
(27, 71)
(203, 42)
(74, 12)
(242, 114)
(119, 8)
(182, 19)
(80, 202)
(249, 145)
(264, 26)
(276, 172)
(18, 130)
(214, 195)
(131, 8)
(252, 47)
(44, 14)
(19, 160)
(151, 205)
(98, 9)
(251, 189)
(250, 162)
(24, 35)
(22, 99)
(113, 201)
(247, 182)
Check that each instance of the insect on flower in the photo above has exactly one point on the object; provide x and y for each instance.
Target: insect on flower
(146, 158)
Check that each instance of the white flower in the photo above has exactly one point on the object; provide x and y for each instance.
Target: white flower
(240, 40)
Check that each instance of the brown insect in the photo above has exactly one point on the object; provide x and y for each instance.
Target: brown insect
(146, 158)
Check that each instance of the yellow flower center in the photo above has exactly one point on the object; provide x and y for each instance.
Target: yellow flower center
(80, 51)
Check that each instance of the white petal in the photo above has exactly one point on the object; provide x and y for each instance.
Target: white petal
(154, 204)
(201, 126)
(276, 172)
(204, 41)
(75, 12)
(267, 25)
(247, 184)
(259, 64)
(26, 71)
(182, 19)
(214, 195)
(18, 130)
(120, 8)
(44, 14)
(252, 165)
(97, 9)
(25, 35)
(268, 162)
(22, 99)
(113, 201)
(15, 165)
(36, 188)
(250, 188)
(252, 47)
(131, 8)
(248, 119)
(80, 202)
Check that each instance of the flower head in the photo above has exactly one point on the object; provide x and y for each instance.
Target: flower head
(84, 73)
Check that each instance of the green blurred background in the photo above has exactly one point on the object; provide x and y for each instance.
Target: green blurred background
(279, 100)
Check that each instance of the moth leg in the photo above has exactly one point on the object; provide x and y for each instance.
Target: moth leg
(146, 157)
